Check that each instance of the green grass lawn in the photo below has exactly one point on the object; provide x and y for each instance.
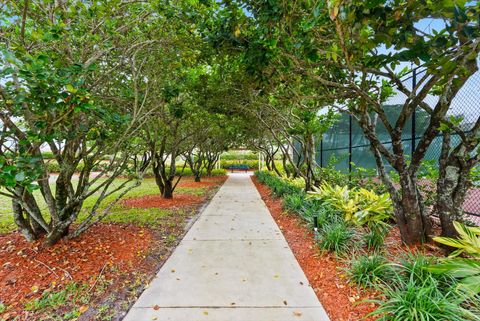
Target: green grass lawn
(119, 214)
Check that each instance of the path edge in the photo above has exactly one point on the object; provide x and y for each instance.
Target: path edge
(186, 229)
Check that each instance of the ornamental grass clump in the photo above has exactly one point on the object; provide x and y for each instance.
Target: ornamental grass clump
(368, 269)
(374, 238)
(294, 202)
(413, 293)
(336, 237)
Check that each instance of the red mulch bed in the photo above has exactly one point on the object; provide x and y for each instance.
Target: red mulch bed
(149, 201)
(323, 270)
(27, 269)
(192, 184)
(205, 182)
(178, 200)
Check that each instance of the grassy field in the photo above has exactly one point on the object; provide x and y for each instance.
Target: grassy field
(119, 214)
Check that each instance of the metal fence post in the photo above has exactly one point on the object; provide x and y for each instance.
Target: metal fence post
(350, 138)
(414, 116)
(321, 151)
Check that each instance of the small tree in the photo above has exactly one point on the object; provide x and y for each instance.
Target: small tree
(68, 87)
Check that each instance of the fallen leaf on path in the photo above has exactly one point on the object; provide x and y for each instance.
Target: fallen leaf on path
(83, 309)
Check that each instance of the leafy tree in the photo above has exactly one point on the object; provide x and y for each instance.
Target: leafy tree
(172, 95)
(355, 68)
(54, 58)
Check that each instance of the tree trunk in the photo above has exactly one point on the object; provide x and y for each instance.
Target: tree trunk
(23, 225)
(413, 221)
(168, 190)
(197, 177)
(453, 182)
(451, 191)
(285, 166)
(158, 178)
(58, 232)
(30, 228)
(274, 167)
(309, 156)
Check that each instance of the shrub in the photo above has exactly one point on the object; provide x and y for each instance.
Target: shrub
(252, 164)
(366, 270)
(335, 237)
(239, 156)
(188, 172)
(324, 213)
(281, 188)
(309, 210)
(360, 206)
(415, 266)
(218, 172)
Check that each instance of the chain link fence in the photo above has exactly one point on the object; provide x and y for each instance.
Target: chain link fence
(345, 147)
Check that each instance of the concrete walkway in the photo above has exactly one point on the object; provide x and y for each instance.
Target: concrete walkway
(233, 265)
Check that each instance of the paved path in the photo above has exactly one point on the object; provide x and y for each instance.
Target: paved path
(233, 265)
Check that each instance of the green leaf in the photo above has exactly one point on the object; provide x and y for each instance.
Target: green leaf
(20, 177)
(71, 89)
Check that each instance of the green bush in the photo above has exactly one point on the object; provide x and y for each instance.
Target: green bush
(323, 212)
(52, 166)
(310, 209)
(335, 237)
(279, 186)
(415, 266)
(239, 156)
(360, 206)
(188, 172)
(366, 270)
(218, 172)
(252, 164)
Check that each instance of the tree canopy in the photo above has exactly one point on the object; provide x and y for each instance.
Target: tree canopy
(119, 88)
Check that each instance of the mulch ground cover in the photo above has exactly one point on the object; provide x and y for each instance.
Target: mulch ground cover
(205, 182)
(28, 269)
(149, 201)
(109, 263)
(341, 300)
(179, 200)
